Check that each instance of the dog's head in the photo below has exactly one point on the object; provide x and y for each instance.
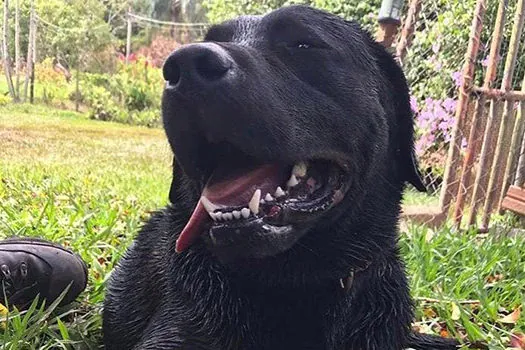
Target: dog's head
(287, 126)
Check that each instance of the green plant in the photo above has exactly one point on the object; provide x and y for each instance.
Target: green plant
(4, 100)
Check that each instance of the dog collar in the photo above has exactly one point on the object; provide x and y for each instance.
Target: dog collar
(347, 282)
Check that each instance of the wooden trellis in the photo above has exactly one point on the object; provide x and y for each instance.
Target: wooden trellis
(477, 179)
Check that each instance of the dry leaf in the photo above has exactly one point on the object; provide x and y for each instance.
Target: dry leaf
(517, 341)
(512, 317)
(3, 313)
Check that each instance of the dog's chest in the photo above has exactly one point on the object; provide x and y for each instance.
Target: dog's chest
(284, 322)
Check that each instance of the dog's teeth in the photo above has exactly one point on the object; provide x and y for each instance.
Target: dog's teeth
(213, 216)
(262, 201)
(227, 216)
(218, 216)
(279, 192)
(293, 181)
(209, 206)
(299, 169)
(254, 202)
(236, 214)
(268, 197)
(245, 212)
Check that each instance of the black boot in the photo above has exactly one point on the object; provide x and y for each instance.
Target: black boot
(31, 267)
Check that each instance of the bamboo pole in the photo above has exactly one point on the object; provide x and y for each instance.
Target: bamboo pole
(407, 33)
(5, 50)
(520, 172)
(503, 144)
(513, 155)
(479, 111)
(33, 61)
(450, 183)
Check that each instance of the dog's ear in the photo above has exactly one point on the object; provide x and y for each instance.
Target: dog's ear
(405, 153)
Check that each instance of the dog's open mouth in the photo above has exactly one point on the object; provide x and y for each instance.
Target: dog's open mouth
(268, 199)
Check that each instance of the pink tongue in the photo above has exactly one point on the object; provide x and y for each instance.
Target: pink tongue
(232, 191)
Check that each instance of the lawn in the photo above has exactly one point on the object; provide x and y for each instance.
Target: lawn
(89, 185)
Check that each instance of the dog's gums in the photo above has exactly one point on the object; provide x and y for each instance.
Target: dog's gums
(266, 198)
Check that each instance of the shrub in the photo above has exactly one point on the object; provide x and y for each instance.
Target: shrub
(4, 100)
(131, 95)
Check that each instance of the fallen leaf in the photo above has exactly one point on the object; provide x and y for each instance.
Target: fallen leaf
(517, 341)
(3, 313)
(456, 312)
(429, 313)
(512, 317)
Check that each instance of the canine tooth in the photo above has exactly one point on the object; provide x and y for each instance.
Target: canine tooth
(236, 214)
(218, 216)
(262, 201)
(268, 197)
(245, 212)
(293, 181)
(209, 206)
(227, 216)
(254, 202)
(279, 192)
(300, 169)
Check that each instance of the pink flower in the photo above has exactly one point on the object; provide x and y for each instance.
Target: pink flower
(458, 78)
(413, 104)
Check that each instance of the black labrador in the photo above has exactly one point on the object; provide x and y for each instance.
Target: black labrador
(293, 140)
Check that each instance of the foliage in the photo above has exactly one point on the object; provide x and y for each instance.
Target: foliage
(159, 48)
(362, 11)
(4, 100)
(131, 95)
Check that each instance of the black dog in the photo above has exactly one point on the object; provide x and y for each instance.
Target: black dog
(293, 140)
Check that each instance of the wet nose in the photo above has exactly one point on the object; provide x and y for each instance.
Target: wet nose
(197, 64)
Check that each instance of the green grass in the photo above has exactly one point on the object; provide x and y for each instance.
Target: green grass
(85, 184)
(89, 185)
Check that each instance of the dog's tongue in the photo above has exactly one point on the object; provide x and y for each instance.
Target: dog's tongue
(229, 189)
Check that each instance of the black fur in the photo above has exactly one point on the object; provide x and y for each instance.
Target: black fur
(304, 84)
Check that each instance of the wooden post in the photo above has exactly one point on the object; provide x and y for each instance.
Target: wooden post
(128, 36)
(5, 50)
(389, 19)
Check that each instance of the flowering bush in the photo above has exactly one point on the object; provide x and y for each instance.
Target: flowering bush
(156, 52)
(131, 95)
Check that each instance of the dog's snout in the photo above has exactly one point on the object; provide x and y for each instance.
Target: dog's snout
(199, 64)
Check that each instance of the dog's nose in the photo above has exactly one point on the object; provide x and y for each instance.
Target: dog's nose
(198, 63)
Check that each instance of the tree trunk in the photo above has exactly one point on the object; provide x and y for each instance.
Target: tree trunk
(7, 61)
(29, 59)
(17, 49)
